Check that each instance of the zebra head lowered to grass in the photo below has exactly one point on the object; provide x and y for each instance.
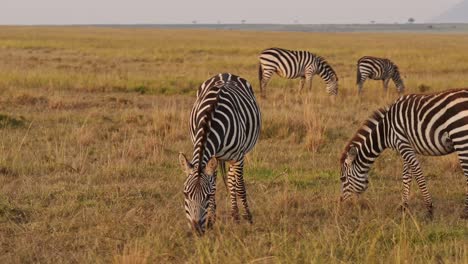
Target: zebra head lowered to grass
(224, 127)
(431, 125)
(378, 69)
(293, 64)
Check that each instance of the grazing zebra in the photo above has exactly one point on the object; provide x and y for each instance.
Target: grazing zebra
(293, 64)
(224, 126)
(378, 69)
(431, 125)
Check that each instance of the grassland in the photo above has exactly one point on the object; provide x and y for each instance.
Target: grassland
(92, 120)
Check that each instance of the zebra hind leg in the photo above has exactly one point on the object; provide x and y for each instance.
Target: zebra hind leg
(241, 191)
(463, 158)
(360, 84)
(263, 84)
(231, 181)
(266, 76)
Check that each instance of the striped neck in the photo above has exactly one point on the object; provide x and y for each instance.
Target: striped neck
(371, 140)
(328, 75)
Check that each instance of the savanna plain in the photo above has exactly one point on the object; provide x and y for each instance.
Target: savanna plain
(92, 121)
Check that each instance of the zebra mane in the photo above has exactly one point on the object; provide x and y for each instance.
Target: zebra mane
(205, 123)
(371, 123)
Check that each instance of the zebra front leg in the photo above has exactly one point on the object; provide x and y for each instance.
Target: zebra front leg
(212, 206)
(241, 191)
(309, 80)
(233, 192)
(301, 83)
(410, 158)
(407, 178)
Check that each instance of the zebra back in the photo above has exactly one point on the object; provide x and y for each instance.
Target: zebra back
(225, 119)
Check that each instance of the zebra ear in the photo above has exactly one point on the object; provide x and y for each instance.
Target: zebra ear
(211, 166)
(352, 153)
(184, 163)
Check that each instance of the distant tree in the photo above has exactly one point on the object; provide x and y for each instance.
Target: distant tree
(194, 22)
(372, 22)
(243, 21)
(411, 20)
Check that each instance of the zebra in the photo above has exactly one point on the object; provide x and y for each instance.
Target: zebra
(378, 69)
(430, 125)
(224, 126)
(294, 64)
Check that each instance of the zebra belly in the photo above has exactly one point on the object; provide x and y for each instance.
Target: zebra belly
(377, 78)
(285, 75)
(439, 147)
(233, 152)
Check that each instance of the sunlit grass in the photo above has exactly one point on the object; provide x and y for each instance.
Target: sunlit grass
(92, 120)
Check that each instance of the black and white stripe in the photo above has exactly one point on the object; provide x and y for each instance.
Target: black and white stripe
(378, 69)
(293, 64)
(224, 126)
(431, 125)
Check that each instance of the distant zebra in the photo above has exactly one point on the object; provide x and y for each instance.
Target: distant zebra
(378, 69)
(293, 64)
(224, 126)
(431, 125)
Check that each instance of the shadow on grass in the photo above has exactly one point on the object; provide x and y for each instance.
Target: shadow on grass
(11, 122)
(8, 212)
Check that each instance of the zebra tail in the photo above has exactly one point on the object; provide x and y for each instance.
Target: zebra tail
(358, 78)
(223, 174)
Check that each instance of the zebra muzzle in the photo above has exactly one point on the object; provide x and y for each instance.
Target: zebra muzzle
(197, 227)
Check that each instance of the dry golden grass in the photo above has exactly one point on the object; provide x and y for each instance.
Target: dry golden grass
(92, 119)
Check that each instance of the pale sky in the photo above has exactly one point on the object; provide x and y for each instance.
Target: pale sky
(213, 11)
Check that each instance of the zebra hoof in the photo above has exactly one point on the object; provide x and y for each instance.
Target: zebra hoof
(403, 208)
(464, 215)
(430, 215)
(210, 223)
(236, 218)
(248, 218)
